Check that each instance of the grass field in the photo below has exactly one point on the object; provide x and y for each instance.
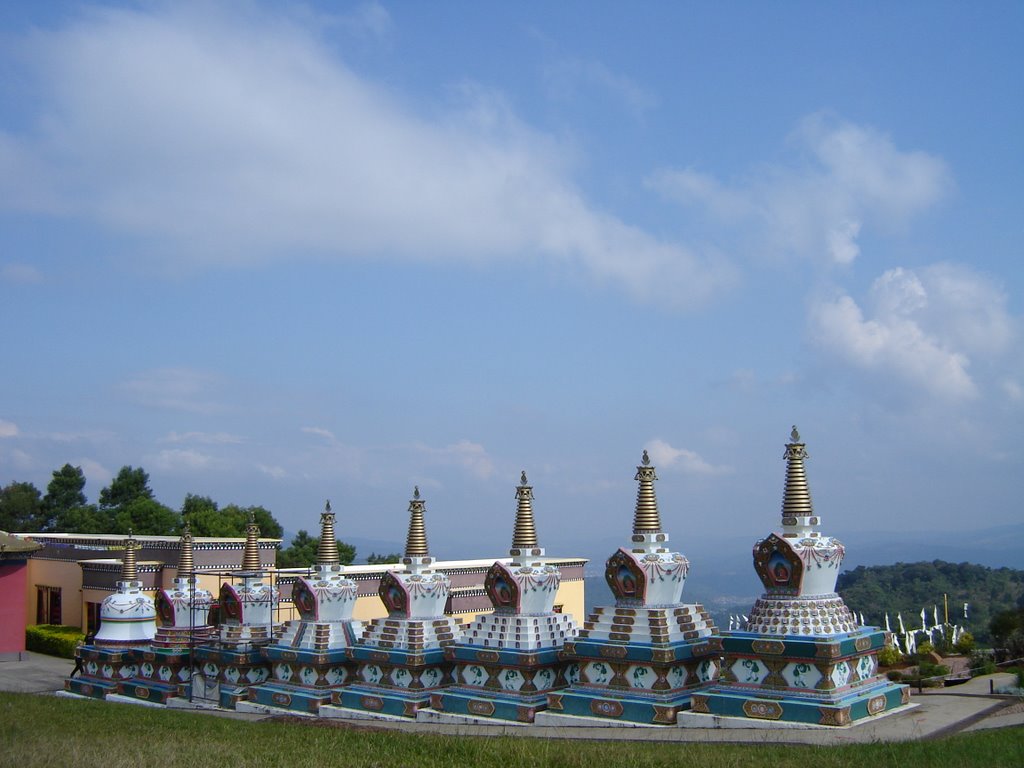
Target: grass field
(52, 732)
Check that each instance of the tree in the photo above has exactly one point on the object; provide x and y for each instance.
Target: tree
(85, 519)
(375, 559)
(21, 508)
(302, 552)
(206, 519)
(146, 516)
(129, 485)
(64, 493)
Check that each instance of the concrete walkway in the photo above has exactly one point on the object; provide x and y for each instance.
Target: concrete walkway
(937, 712)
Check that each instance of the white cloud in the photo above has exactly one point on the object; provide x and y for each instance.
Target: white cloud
(1013, 389)
(181, 460)
(8, 429)
(567, 76)
(203, 438)
(20, 273)
(18, 458)
(683, 460)
(272, 471)
(845, 177)
(923, 327)
(466, 454)
(96, 475)
(176, 389)
(321, 432)
(237, 137)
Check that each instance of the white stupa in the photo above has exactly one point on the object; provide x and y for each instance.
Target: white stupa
(128, 616)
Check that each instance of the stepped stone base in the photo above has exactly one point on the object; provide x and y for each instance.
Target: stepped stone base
(302, 680)
(829, 681)
(639, 664)
(501, 684)
(225, 675)
(394, 681)
(103, 668)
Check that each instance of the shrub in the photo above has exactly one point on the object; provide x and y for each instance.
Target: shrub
(928, 670)
(923, 649)
(889, 656)
(982, 663)
(964, 644)
(53, 639)
(895, 675)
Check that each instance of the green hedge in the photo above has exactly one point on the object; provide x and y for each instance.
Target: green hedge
(53, 639)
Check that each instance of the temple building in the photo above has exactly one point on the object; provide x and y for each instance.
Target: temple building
(802, 657)
(66, 580)
(508, 661)
(310, 658)
(400, 659)
(233, 663)
(14, 554)
(128, 619)
(642, 659)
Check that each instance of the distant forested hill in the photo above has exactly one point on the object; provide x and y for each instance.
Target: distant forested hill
(909, 587)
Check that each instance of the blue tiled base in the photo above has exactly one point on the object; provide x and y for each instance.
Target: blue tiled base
(292, 697)
(92, 687)
(474, 702)
(378, 700)
(252, 669)
(150, 690)
(300, 656)
(847, 710)
(651, 709)
(813, 679)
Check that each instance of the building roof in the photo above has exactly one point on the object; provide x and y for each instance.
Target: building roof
(118, 538)
(13, 547)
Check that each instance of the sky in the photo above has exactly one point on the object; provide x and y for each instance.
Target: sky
(277, 253)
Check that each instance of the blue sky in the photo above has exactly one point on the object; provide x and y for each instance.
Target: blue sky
(278, 253)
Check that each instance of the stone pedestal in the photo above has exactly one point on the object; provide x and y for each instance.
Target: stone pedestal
(813, 680)
(395, 682)
(102, 670)
(640, 665)
(224, 675)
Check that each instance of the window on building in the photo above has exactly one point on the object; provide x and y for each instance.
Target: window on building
(47, 605)
(92, 618)
(557, 608)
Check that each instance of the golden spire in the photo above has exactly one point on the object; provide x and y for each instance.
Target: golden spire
(128, 570)
(797, 499)
(327, 551)
(646, 518)
(251, 554)
(416, 541)
(525, 535)
(186, 562)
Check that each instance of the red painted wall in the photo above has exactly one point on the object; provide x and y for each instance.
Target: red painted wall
(13, 577)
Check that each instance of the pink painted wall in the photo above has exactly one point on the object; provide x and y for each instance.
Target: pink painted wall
(13, 577)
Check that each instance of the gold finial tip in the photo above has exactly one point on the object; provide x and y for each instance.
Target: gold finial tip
(327, 506)
(522, 478)
(252, 516)
(646, 459)
(794, 435)
(416, 492)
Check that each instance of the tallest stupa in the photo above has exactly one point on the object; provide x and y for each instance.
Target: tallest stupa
(802, 657)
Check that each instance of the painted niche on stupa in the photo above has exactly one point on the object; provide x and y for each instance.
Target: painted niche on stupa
(625, 577)
(778, 565)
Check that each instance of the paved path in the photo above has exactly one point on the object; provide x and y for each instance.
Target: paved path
(939, 712)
